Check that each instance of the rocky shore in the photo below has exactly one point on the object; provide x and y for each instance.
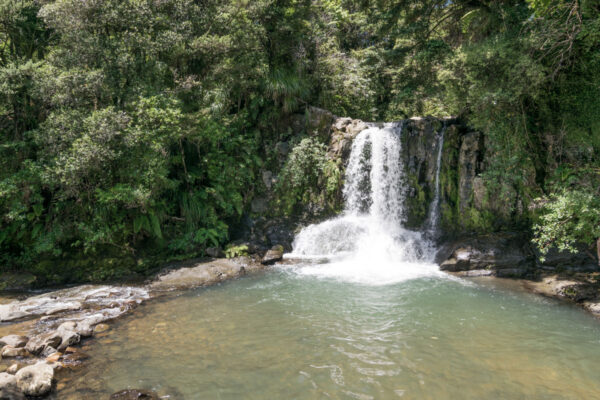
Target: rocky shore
(50, 328)
(562, 275)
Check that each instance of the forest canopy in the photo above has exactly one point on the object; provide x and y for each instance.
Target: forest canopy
(142, 124)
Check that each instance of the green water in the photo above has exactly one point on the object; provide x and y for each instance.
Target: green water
(285, 336)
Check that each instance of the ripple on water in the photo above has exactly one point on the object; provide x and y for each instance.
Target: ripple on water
(283, 336)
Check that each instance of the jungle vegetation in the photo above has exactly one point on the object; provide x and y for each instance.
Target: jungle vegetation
(132, 127)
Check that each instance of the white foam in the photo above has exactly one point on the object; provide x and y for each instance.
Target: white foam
(368, 244)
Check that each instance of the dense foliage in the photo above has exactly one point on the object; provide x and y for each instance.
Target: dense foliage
(131, 126)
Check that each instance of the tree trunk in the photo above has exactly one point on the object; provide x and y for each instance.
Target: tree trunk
(598, 250)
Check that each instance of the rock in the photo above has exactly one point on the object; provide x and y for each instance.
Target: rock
(319, 121)
(68, 335)
(342, 123)
(259, 205)
(8, 388)
(355, 127)
(70, 350)
(273, 255)
(13, 368)
(101, 328)
(504, 251)
(74, 359)
(54, 357)
(215, 252)
(35, 380)
(134, 394)
(48, 351)
(468, 167)
(14, 341)
(283, 148)
(9, 351)
(37, 344)
(205, 274)
(267, 178)
(16, 281)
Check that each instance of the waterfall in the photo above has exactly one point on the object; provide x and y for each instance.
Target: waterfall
(433, 219)
(368, 243)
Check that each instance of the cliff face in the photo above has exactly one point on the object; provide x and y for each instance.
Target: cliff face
(468, 202)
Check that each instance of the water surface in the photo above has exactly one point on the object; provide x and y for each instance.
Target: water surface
(285, 335)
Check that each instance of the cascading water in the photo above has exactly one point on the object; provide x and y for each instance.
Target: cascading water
(367, 243)
(433, 219)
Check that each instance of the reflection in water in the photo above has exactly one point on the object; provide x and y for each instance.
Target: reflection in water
(284, 336)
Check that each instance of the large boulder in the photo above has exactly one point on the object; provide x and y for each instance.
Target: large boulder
(205, 274)
(507, 254)
(35, 380)
(273, 255)
(8, 388)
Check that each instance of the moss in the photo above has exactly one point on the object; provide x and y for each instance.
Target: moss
(417, 203)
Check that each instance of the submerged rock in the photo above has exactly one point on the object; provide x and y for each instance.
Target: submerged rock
(35, 380)
(134, 394)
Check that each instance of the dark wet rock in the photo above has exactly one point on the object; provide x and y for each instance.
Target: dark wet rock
(35, 380)
(476, 273)
(16, 281)
(8, 388)
(273, 255)
(567, 260)
(282, 148)
(259, 205)
(508, 252)
(134, 394)
(215, 252)
(74, 359)
(14, 341)
(9, 351)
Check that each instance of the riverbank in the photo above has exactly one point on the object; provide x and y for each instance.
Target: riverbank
(562, 275)
(43, 334)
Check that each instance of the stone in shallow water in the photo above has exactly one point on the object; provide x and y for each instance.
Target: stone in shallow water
(9, 351)
(14, 341)
(13, 369)
(37, 344)
(134, 394)
(54, 357)
(101, 328)
(35, 380)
